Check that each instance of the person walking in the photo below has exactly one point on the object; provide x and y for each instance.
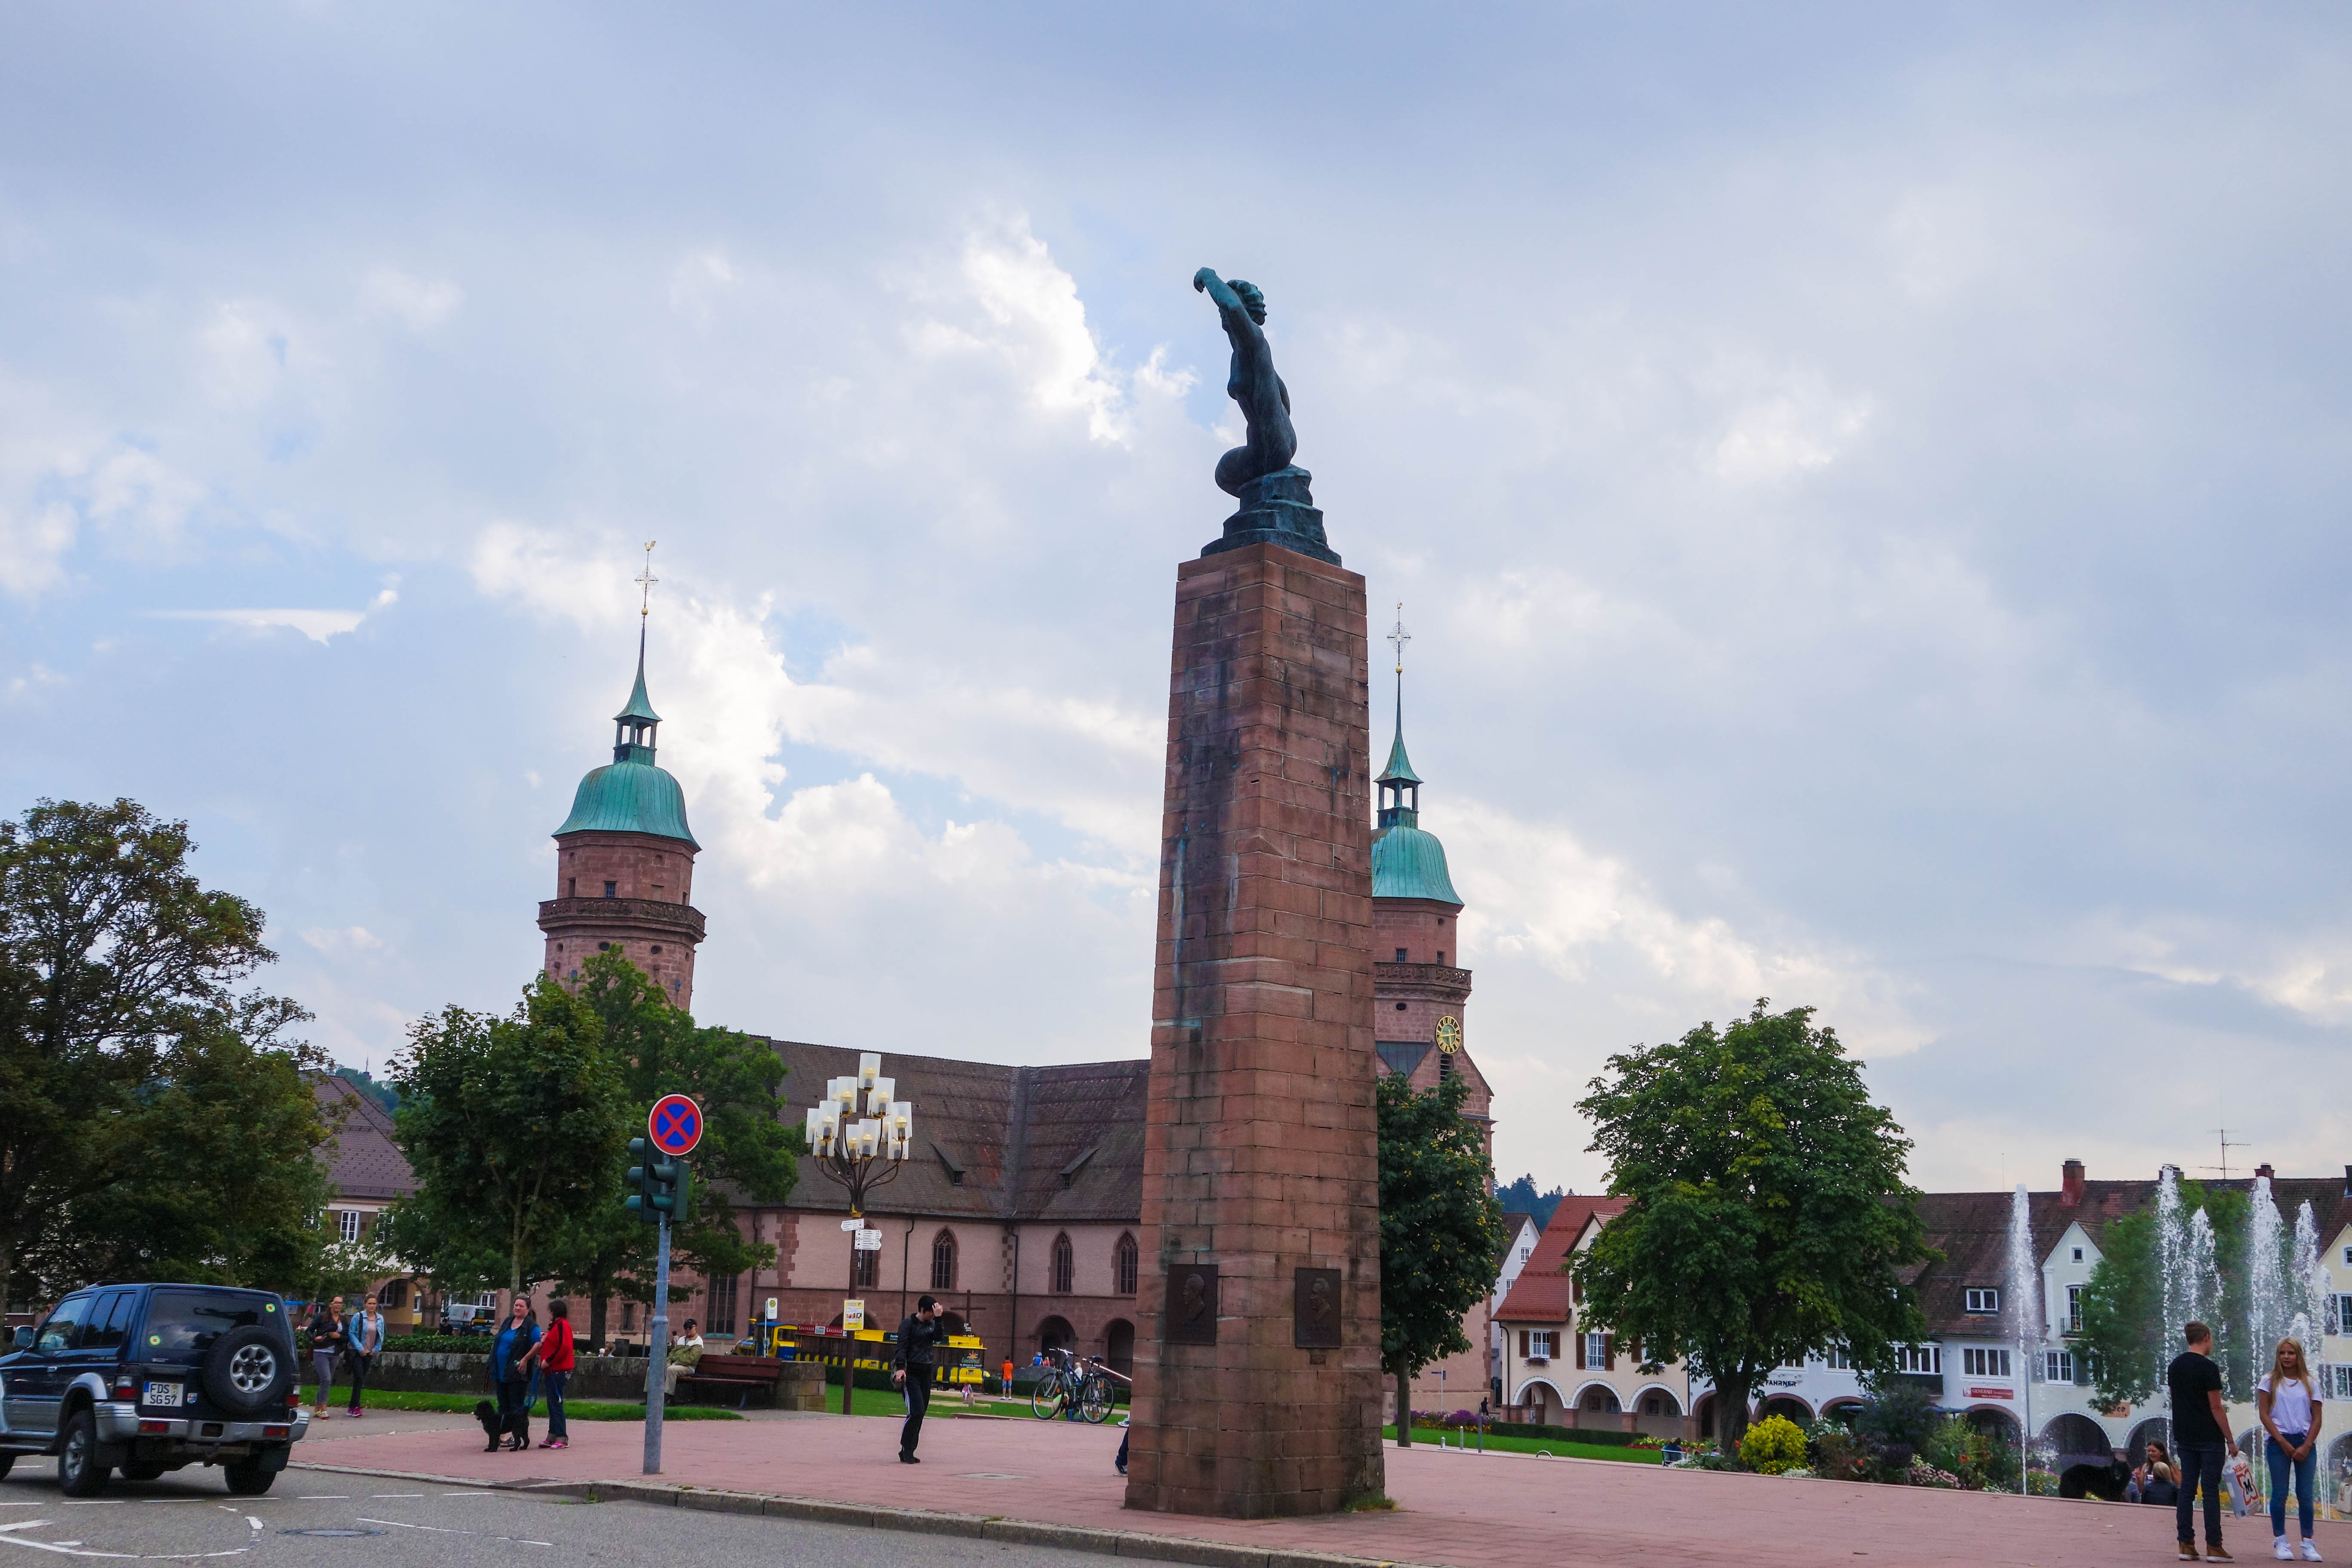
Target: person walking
(2200, 1432)
(327, 1330)
(365, 1336)
(510, 1370)
(2290, 1407)
(555, 1361)
(912, 1366)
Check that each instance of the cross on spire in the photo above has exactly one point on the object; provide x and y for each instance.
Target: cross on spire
(645, 581)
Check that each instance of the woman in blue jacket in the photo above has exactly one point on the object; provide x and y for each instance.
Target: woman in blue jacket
(512, 1369)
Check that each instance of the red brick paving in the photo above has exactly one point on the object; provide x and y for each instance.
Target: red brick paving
(1463, 1510)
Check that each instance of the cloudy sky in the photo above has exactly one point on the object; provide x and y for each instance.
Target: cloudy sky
(1868, 490)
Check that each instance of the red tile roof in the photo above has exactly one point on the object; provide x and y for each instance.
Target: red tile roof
(1539, 1295)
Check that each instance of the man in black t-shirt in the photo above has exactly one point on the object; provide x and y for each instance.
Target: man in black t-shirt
(2200, 1434)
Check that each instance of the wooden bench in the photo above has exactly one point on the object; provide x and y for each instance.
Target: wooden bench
(746, 1374)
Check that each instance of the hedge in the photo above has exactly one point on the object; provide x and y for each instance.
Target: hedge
(441, 1344)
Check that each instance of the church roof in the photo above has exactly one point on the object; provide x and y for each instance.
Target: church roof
(1399, 768)
(1408, 863)
(629, 797)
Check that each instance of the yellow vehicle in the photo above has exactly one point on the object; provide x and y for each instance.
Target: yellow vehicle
(867, 1349)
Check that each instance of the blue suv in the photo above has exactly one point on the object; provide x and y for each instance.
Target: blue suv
(150, 1378)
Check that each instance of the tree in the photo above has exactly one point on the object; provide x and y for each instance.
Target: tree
(121, 1039)
(1521, 1197)
(1769, 1216)
(228, 1191)
(603, 1250)
(511, 1125)
(2123, 1304)
(1441, 1228)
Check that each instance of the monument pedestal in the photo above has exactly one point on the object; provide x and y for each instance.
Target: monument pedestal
(1257, 1384)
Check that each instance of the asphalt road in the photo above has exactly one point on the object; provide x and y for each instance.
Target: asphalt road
(336, 1519)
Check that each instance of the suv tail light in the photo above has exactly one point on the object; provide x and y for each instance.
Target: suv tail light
(125, 1386)
(293, 1399)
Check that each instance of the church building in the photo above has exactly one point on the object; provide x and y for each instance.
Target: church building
(1021, 1204)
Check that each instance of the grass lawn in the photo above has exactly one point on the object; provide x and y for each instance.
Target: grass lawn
(574, 1409)
(1501, 1444)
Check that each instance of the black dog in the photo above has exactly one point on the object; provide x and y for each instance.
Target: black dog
(495, 1425)
(2105, 1481)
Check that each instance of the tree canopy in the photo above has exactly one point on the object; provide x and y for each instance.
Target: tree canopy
(1769, 1216)
(154, 1120)
(2124, 1332)
(603, 1250)
(512, 1126)
(1441, 1230)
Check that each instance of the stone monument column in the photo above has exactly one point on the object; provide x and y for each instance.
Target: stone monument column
(1257, 1384)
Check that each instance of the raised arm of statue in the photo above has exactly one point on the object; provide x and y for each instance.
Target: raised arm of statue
(1252, 382)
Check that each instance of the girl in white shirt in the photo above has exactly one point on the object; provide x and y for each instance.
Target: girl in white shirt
(2290, 1406)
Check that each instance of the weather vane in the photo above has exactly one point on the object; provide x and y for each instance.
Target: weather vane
(645, 582)
(1399, 637)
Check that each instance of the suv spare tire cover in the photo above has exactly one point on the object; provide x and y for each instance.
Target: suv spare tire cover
(250, 1369)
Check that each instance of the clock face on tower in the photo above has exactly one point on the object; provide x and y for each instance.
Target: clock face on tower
(1449, 1034)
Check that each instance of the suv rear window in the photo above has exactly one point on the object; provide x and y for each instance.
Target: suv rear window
(182, 1324)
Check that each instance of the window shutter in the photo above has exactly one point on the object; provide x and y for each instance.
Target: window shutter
(1580, 1352)
(1609, 1351)
(1522, 1344)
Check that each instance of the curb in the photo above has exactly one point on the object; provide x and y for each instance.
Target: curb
(1138, 1544)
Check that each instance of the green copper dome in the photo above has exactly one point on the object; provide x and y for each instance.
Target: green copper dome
(630, 794)
(629, 797)
(1408, 863)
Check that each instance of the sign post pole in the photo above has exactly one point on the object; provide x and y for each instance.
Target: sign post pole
(657, 1351)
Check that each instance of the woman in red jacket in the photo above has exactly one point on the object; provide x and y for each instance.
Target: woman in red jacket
(555, 1363)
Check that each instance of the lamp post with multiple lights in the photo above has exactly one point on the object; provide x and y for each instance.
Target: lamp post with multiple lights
(860, 1153)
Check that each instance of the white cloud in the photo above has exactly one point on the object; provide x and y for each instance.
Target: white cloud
(1534, 889)
(418, 304)
(318, 626)
(1036, 322)
(345, 939)
(1785, 432)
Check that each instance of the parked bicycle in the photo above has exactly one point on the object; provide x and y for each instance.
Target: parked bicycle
(1068, 1382)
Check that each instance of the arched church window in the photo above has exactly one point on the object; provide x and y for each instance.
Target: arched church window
(1126, 1261)
(1064, 1264)
(943, 1261)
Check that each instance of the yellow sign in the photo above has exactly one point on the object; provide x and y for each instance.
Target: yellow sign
(1449, 1034)
(853, 1315)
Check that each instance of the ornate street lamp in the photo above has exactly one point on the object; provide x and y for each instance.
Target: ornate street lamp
(860, 1153)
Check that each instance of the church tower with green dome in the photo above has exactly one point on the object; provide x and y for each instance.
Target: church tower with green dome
(625, 863)
(1421, 991)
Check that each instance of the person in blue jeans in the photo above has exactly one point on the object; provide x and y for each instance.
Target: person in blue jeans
(2201, 1435)
(2290, 1406)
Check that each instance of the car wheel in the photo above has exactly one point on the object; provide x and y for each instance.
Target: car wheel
(247, 1478)
(79, 1472)
(142, 1472)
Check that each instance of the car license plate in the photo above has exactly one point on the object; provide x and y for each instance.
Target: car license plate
(165, 1392)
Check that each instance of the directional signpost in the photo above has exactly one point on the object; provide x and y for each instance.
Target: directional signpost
(673, 1128)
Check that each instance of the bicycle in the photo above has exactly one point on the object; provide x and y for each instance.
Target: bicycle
(1068, 1382)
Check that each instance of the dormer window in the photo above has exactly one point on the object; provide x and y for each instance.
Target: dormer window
(1983, 1302)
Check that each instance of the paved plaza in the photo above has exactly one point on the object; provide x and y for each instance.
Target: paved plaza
(1457, 1509)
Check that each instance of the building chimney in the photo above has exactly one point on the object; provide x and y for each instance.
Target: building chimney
(2347, 1181)
(2264, 1170)
(2071, 1183)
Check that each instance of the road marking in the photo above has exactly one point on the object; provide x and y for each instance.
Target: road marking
(323, 1497)
(436, 1529)
(25, 1525)
(379, 1496)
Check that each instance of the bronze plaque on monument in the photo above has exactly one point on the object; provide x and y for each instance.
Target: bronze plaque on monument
(1190, 1316)
(1315, 1309)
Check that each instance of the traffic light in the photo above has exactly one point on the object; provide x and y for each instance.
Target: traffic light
(662, 1184)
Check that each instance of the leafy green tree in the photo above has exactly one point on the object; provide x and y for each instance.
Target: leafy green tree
(603, 1250)
(125, 1050)
(1441, 1228)
(1521, 1197)
(229, 1192)
(1769, 1216)
(511, 1125)
(2122, 1303)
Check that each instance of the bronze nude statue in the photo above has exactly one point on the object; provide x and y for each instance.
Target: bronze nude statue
(1276, 507)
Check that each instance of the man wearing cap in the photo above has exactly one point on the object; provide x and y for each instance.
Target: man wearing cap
(911, 1367)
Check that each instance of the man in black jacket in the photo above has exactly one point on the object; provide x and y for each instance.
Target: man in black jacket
(912, 1367)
